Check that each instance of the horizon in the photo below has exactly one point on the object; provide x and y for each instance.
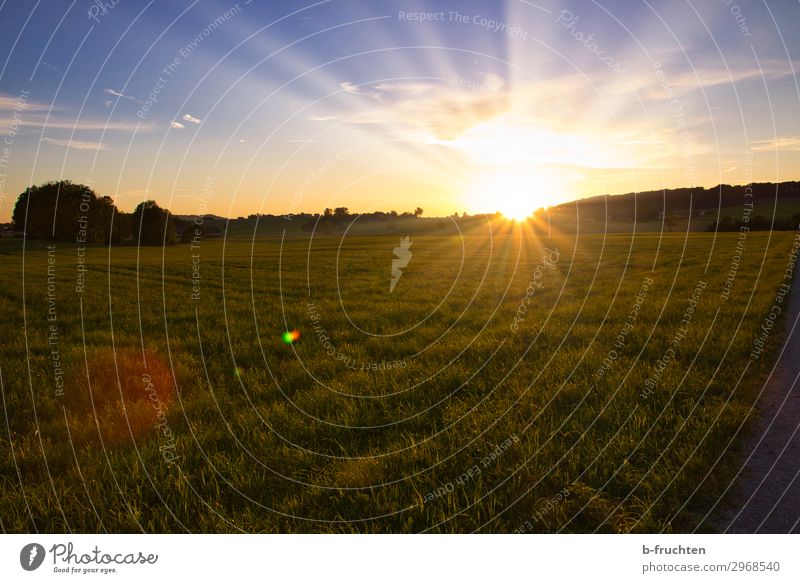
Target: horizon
(470, 108)
(302, 212)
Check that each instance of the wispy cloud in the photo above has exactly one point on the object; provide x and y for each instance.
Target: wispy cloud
(352, 89)
(176, 125)
(442, 111)
(323, 117)
(492, 123)
(64, 123)
(118, 94)
(349, 87)
(10, 103)
(33, 114)
(781, 144)
(75, 144)
(682, 80)
(191, 119)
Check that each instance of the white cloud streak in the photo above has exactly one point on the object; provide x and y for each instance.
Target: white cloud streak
(75, 144)
(118, 94)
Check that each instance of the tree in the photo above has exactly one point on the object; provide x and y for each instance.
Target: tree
(340, 214)
(418, 212)
(122, 231)
(153, 225)
(64, 211)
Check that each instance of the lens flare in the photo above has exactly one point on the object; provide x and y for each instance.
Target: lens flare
(291, 337)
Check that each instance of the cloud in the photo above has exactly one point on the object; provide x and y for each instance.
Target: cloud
(436, 111)
(117, 94)
(352, 89)
(682, 81)
(33, 114)
(782, 144)
(323, 117)
(349, 88)
(10, 103)
(75, 144)
(191, 119)
(176, 125)
(403, 87)
(88, 125)
(489, 122)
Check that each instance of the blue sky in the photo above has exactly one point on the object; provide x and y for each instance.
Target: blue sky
(289, 106)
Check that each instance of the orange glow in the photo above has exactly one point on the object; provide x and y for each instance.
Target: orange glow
(120, 411)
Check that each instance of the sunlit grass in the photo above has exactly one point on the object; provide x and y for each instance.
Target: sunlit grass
(360, 434)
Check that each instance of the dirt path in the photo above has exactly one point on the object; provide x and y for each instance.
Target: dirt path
(766, 498)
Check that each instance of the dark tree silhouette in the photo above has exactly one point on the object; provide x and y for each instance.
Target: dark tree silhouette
(64, 211)
(340, 214)
(153, 225)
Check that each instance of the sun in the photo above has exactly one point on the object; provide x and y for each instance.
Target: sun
(516, 208)
(515, 192)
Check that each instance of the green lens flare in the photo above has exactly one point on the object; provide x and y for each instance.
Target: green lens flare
(290, 337)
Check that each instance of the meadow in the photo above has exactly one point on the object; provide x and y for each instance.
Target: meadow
(514, 380)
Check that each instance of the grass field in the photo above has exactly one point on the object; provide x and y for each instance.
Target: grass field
(509, 382)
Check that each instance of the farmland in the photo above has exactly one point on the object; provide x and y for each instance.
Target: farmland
(514, 380)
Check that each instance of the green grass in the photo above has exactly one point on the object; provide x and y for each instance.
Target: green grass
(263, 436)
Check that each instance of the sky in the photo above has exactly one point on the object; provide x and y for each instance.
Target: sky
(285, 107)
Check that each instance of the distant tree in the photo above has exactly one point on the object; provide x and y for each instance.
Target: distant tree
(418, 212)
(327, 213)
(153, 225)
(340, 214)
(64, 211)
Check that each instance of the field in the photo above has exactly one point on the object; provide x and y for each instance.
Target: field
(511, 381)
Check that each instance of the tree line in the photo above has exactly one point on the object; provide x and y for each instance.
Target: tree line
(65, 211)
(338, 218)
